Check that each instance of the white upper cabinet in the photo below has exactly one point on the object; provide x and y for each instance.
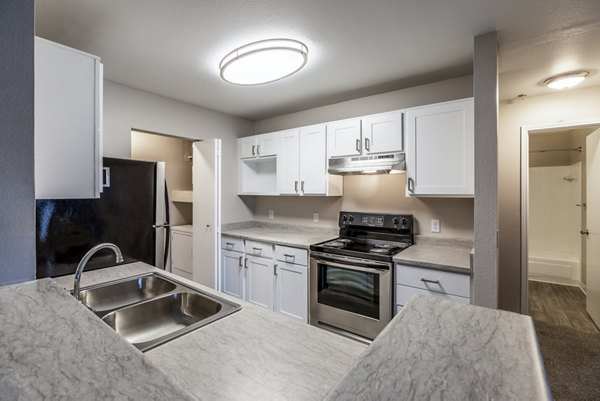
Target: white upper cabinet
(68, 122)
(288, 162)
(264, 145)
(344, 138)
(440, 149)
(382, 133)
(302, 163)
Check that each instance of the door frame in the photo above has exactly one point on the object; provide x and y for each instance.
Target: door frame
(525, 132)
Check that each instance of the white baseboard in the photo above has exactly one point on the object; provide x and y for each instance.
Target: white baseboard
(557, 280)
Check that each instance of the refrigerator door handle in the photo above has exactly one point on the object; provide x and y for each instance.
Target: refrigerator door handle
(165, 225)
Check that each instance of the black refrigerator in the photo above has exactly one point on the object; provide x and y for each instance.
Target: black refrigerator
(132, 213)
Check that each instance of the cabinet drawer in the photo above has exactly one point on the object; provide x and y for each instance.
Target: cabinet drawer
(404, 294)
(232, 244)
(261, 249)
(291, 255)
(434, 280)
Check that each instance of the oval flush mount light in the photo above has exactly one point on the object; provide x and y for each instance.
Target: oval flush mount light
(263, 61)
(565, 81)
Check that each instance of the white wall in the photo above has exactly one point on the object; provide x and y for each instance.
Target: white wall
(555, 108)
(373, 193)
(17, 203)
(127, 108)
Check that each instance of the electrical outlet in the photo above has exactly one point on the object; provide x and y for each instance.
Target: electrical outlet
(271, 214)
(315, 217)
(435, 226)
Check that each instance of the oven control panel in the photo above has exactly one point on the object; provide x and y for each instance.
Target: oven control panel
(398, 222)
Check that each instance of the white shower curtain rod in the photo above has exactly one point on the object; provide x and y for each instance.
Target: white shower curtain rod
(578, 149)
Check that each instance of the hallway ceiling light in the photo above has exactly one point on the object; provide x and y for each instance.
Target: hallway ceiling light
(565, 81)
(263, 61)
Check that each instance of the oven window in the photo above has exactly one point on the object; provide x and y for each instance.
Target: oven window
(350, 290)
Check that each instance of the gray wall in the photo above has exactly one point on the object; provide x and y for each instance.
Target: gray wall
(381, 193)
(17, 205)
(126, 108)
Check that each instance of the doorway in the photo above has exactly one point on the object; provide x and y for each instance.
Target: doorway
(561, 251)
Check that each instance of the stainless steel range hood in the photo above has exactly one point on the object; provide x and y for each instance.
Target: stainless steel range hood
(373, 164)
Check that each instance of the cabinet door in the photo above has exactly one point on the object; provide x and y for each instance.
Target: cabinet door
(181, 251)
(232, 273)
(68, 104)
(291, 291)
(247, 147)
(266, 144)
(288, 163)
(313, 160)
(343, 138)
(440, 149)
(382, 132)
(259, 282)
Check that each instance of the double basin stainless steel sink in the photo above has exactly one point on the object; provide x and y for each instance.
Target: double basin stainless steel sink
(151, 309)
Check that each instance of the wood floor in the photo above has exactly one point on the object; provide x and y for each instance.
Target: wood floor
(559, 305)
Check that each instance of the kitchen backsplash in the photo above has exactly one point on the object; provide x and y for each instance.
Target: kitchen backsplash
(373, 193)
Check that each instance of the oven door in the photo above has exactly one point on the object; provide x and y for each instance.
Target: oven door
(350, 295)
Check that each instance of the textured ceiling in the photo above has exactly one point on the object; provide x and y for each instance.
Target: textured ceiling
(356, 47)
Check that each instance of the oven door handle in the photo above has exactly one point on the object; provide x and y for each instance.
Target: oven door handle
(373, 270)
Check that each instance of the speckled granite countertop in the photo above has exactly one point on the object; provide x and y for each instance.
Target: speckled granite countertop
(253, 354)
(424, 354)
(281, 234)
(441, 254)
(53, 348)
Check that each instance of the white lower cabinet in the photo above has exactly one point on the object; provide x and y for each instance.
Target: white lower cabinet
(411, 281)
(260, 281)
(232, 273)
(274, 277)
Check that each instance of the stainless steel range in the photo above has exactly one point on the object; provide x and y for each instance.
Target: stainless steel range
(351, 277)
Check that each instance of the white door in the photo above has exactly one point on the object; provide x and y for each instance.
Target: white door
(440, 149)
(288, 162)
(383, 132)
(291, 291)
(266, 145)
(593, 226)
(259, 282)
(313, 160)
(206, 180)
(232, 267)
(343, 138)
(247, 147)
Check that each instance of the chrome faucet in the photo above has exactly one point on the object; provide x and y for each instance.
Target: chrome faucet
(85, 260)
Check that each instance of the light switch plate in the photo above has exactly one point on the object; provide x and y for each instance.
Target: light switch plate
(315, 217)
(271, 214)
(435, 226)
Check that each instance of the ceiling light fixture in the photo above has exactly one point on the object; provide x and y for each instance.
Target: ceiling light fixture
(263, 61)
(565, 81)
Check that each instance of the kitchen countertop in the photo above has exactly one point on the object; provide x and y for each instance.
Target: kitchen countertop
(280, 234)
(433, 349)
(446, 254)
(433, 359)
(252, 354)
(54, 348)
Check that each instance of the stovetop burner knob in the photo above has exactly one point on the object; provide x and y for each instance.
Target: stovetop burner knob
(351, 218)
(396, 220)
(403, 221)
(345, 217)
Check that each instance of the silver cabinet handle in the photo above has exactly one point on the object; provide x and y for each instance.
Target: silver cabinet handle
(257, 250)
(302, 186)
(105, 177)
(245, 263)
(241, 263)
(229, 244)
(258, 150)
(275, 269)
(584, 232)
(367, 144)
(583, 204)
(430, 281)
(411, 185)
(253, 147)
(358, 144)
(287, 255)
(296, 186)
